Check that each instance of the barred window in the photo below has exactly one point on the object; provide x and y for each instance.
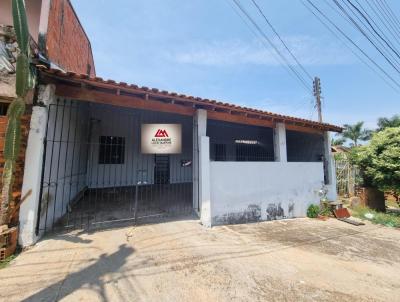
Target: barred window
(112, 150)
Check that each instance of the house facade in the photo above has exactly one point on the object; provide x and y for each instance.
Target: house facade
(103, 152)
(99, 152)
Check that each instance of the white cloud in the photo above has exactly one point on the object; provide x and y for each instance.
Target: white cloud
(308, 50)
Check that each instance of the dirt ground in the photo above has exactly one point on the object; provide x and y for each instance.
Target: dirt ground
(291, 260)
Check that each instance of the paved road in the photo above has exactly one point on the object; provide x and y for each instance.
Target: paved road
(292, 260)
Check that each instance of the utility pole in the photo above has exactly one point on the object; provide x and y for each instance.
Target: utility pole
(317, 94)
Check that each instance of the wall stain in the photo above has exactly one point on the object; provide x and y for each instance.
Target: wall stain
(251, 214)
(275, 211)
(291, 209)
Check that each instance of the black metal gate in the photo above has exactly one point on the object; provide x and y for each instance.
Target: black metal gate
(94, 172)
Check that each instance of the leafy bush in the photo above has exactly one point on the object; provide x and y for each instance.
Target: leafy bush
(312, 211)
(379, 161)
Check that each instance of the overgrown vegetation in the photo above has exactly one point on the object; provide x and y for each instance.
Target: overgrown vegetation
(385, 122)
(379, 161)
(387, 219)
(7, 261)
(313, 211)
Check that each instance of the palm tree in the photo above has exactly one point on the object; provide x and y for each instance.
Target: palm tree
(385, 122)
(356, 133)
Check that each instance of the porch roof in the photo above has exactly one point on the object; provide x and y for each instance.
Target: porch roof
(83, 87)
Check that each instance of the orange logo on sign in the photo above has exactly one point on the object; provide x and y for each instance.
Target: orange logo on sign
(161, 133)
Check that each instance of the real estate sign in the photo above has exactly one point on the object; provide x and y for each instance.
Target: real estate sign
(161, 138)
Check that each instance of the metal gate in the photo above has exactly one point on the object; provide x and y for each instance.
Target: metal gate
(94, 172)
(346, 177)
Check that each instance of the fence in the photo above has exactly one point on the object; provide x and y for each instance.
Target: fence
(346, 177)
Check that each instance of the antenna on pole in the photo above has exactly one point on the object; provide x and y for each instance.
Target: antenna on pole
(317, 94)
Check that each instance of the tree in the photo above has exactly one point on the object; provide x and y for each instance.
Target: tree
(338, 141)
(385, 122)
(356, 133)
(24, 82)
(380, 160)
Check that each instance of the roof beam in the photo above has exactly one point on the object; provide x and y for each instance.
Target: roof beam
(239, 119)
(101, 97)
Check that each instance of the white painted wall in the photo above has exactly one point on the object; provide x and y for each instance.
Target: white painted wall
(280, 148)
(199, 130)
(32, 175)
(239, 187)
(204, 180)
(331, 168)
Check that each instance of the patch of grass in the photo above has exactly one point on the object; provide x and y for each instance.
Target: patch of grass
(7, 261)
(387, 219)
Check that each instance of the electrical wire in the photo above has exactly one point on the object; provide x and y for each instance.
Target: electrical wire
(279, 37)
(367, 37)
(342, 15)
(378, 12)
(313, 9)
(391, 12)
(387, 16)
(388, 44)
(263, 34)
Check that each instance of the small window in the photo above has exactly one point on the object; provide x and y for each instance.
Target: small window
(112, 150)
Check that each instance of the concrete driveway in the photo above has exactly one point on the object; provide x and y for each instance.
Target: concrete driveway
(292, 260)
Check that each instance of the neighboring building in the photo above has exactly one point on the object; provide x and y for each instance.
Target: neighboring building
(57, 40)
(100, 151)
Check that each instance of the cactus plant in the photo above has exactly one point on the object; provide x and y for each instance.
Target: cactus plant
(24, 82)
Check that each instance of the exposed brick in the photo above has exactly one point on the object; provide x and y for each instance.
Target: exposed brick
(19, 169)
(67, 44)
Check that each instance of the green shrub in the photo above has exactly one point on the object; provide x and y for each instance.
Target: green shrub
(312, 211)
(379, 161)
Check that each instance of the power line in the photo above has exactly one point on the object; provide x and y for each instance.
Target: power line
(258, 36)
(297, 105)
(262, 33)
(354, 25)
(373, 28)
(279, 37)
(378, 12)
(391, 12)
(375, 23)
(367, 37)
(386, 13)
(325, 17)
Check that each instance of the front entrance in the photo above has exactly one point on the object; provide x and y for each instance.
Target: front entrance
(95, 172)
(161, 169)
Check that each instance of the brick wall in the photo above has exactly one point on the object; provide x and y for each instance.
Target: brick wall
(67, 44)
(19, 172)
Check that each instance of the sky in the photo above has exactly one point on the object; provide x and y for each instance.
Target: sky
(203, 48)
